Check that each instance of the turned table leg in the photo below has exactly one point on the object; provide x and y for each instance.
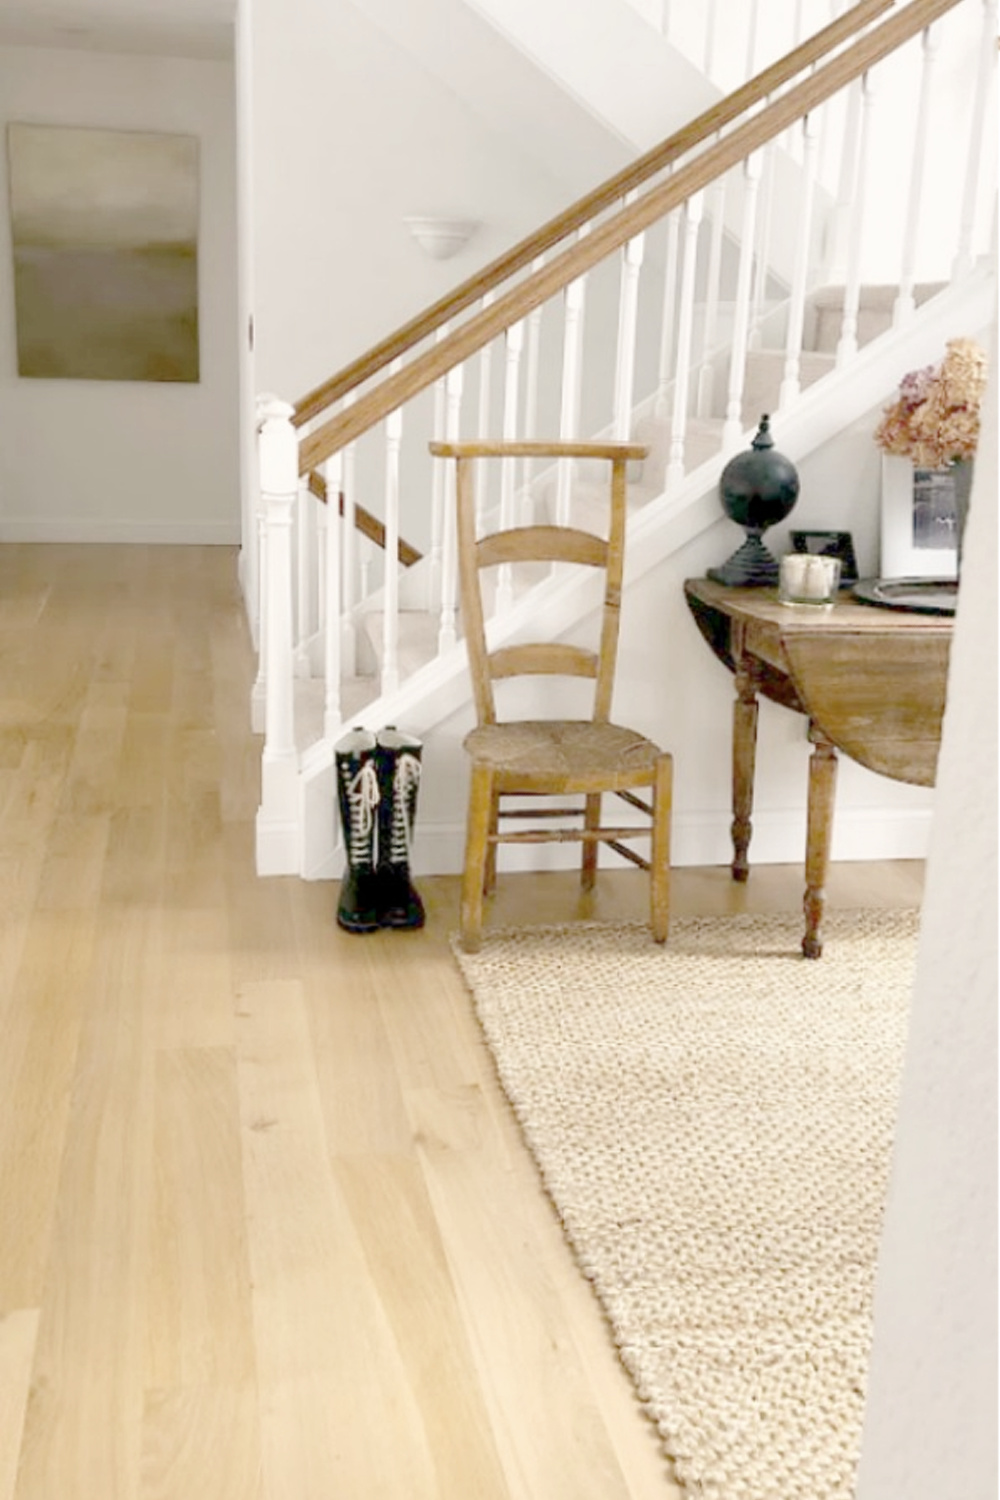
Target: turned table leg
(744, 758)
(822, 787)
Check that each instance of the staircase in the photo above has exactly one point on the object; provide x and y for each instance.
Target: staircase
(735, 269)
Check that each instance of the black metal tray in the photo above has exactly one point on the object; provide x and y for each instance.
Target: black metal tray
(922, 596)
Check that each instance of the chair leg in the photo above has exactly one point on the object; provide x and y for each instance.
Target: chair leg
(591, 820)
(490, 865)
(477, 828)
(659, 873)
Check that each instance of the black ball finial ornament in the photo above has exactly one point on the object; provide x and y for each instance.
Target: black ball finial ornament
(758, 488)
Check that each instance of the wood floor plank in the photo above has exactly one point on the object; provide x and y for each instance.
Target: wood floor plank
(42, 1019)
(90, 1347)
(201, 1444)
(338, 1412)
(18, 1331)
(554, 1443)
(396, 1225)
(198, 1314)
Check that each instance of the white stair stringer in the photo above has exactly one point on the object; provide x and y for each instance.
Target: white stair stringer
(656, 531)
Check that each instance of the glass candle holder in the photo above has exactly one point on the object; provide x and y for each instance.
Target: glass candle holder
(808, 579)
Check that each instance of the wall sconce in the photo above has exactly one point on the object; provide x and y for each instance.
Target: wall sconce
(441, 238)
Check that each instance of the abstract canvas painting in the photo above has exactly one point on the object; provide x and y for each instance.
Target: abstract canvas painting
(105, 237)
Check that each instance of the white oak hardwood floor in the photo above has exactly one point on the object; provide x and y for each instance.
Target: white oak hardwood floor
(267, 1227)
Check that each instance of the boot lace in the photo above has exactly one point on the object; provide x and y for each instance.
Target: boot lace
(362, 797)
(406, 782)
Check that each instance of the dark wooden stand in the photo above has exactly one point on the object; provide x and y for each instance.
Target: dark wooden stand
(870, 681)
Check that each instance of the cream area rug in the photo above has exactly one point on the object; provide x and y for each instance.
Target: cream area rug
(714, 1121)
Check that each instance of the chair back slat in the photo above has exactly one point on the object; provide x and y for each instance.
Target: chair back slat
(565, 545)
(542, 544)
(541, 659)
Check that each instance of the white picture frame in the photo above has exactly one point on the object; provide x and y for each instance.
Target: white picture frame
(919, 521)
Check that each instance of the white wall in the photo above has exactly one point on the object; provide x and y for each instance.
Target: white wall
(127, 461)
(931, 1418)
(351, 135)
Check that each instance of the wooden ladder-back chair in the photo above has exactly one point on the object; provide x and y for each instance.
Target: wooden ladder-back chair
(552, 757)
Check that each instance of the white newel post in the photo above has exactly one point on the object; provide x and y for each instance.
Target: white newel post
(277, 816)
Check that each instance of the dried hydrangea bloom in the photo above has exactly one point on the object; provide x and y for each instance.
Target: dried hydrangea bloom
(935, 419)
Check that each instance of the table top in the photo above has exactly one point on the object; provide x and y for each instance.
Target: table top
(846, 614)
(872, 680)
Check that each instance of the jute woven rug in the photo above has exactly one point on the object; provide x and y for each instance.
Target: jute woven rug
(713, 1121)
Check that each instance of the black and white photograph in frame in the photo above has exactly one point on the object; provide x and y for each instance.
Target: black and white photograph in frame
(919, 533)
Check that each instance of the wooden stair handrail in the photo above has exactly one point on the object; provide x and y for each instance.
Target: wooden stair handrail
(514, 305)
(369, 525)
(581, 212)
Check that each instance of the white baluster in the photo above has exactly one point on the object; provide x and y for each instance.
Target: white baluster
(484, 420)
(741, 313)
(514, 345)
(279, 481)
(333, 533)
(965, 258)
(682, 375)
(437, 480)
(572, 369)
(666, 18)
(905, 301)
(706, 375)
(628, 318)
(530, 397)
(448, 630)
(667, 352)
(709, 54)
(847, 345)
(791, 377)
(751, 63)
(758, 295)
(352, 586)
(390, 584)
(836, 271)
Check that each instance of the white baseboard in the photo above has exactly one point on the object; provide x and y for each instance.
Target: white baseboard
(277, 847)
(169, 533)
(779, 838)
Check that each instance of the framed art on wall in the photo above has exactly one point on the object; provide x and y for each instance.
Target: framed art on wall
(919, 519)
(105, 239)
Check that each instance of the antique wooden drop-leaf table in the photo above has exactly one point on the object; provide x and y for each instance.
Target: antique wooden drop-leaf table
(870, 681)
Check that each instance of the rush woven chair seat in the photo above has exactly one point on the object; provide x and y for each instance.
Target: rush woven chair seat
(553, 757)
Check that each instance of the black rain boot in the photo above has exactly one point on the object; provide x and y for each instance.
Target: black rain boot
(397, 756)
(357, 795)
